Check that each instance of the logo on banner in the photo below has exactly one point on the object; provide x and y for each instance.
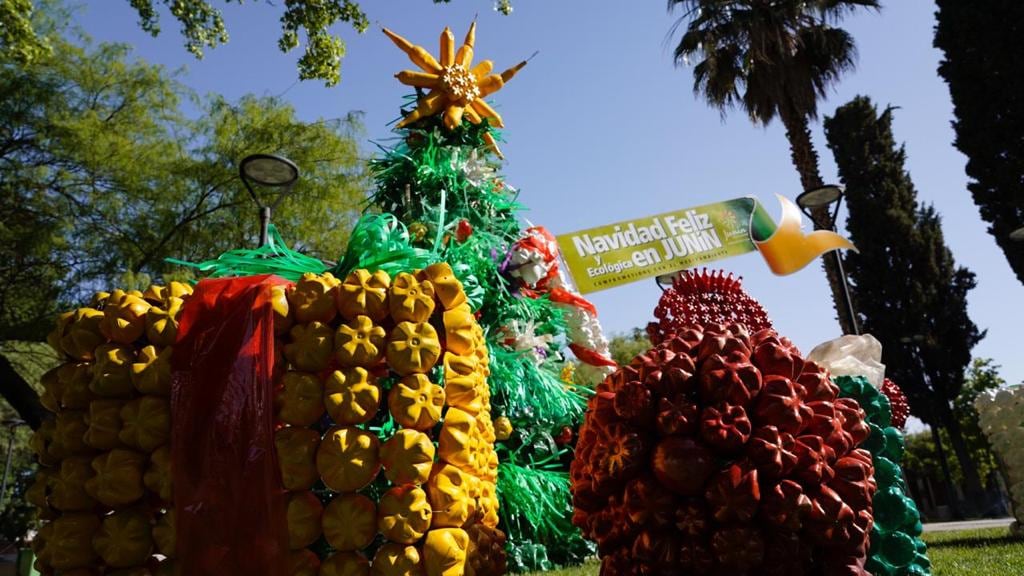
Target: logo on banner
(625, 252)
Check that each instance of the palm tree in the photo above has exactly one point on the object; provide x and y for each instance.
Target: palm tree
(773, 58)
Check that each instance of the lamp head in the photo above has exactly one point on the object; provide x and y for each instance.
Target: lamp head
(269, 170)
(821, 197)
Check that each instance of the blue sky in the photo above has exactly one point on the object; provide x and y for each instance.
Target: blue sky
(603, 127)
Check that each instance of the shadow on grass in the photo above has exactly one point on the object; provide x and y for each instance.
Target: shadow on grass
(975, 542)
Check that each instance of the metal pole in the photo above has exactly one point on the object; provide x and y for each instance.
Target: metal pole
(830, 224)
(846, 291)
(264, 225)
(7, 466)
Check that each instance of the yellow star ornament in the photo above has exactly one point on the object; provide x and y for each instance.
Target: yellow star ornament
(456, 87)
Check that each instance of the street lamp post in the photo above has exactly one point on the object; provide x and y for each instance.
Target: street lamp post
(824, 197)
(272, 171)
(11, 426)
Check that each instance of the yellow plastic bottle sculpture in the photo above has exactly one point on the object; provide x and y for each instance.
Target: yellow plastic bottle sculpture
(68, 485)
(415, 402)
(408, 457)
(364, 294)
(446, 286)
(459, 329)
(413, 348)
(124, 316)
(450, 492)
(296, 455)
(411, 300)
(350, 522)
(359, 343)
(310, 347)
(345, 564)
(393, 559)
(303, 563)
(301, 400)
(164, 534)
(104, 421)
(347, 458)
(403, 514)
(305, 517)
(444, 552)
(69, 543)
(312, 298)
(75, 379)
(351, 396)
(125, 539)
(151, 372)
(118, 479)
(112, 375)
(146, 423)
(158, 478)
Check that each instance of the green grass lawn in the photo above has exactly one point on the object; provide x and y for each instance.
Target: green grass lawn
(988, 552)
(975, 553)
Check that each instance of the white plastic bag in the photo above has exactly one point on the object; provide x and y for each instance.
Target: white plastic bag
(852, 356)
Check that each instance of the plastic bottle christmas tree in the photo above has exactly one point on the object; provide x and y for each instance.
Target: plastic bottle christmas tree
(441, 182)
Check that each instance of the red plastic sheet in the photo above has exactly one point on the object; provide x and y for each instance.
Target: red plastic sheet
(228, 498)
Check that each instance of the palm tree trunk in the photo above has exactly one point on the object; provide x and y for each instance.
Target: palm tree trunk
(805, 159)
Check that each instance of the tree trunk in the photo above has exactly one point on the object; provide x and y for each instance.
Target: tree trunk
(975, 493)
(805, 159)
(20, 395)
(953, 501)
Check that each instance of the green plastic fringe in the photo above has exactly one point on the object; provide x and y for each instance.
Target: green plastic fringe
(536, 512)
(273, 258)
(381, 242)
(530, 394)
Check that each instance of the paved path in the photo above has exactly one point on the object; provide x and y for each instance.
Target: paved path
(968, 525)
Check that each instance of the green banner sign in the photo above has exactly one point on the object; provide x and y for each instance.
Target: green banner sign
(632, 250)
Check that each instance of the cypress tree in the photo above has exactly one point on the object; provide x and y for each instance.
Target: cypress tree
(985, 73)
(905, 282)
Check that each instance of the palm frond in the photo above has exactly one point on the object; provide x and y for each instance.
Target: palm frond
(765, 55)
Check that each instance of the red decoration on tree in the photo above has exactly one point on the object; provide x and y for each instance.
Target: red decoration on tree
(703, 298)
(463, 230)
(724, 452)
(898, 402)
(564, 436)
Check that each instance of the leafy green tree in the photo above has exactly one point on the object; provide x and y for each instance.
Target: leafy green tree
(982, 376)
(624, 347)
(920, 313)
(17, 36)
(986, 77)
(17, 516)
(773, 59)
(202, 25)
(102, 174)
(25, 361)
(922, 455)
